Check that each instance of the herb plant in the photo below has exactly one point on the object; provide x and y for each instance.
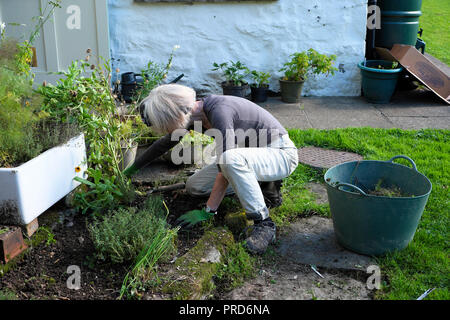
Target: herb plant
(260, 78)
(153, 75)
(23, 133)
(234, 72)
(122, 234)
(89, 102)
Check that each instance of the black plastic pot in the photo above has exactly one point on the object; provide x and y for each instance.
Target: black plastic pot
(259, 94)
(129, 84)
(291, 91)
(232, 90)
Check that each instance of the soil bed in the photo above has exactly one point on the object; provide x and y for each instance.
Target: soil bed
(42, 272)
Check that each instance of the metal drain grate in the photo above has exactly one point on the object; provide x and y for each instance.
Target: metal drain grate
(324, 158)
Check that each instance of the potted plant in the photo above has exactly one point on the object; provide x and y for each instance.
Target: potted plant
(129, 132)
(194, 149)
(379, 79)
(260, 86)
(296, 72)
(234, 73)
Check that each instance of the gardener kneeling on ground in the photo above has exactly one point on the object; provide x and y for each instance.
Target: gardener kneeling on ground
(253, 153)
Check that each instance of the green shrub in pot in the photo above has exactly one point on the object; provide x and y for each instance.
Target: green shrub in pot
(259, 86)
(234, 73)
(298, 68)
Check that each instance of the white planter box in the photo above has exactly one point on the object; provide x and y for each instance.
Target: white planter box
(33, 187)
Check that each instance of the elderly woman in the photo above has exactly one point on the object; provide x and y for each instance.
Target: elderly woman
(253, 152)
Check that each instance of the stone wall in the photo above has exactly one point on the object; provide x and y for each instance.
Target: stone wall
(260, 34)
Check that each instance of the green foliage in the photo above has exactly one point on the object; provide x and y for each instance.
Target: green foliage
(7, 294)
(24, 131)
(50, 237)
(45, 13)
(153, 75)
(303, 63)
(16, 118)
(436, 34)
(234, 72)
(88, 101)
(196, 139)
(24, 53)
(260, 78)
(148, 241)
(121, 235)
(237, 267)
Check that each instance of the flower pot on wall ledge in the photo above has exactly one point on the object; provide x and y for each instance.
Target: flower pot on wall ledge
(31, 188)
(259, 94)
(229, 89)
(379, 84)
(291, 91)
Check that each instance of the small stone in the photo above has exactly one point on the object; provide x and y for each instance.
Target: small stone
(213, 255)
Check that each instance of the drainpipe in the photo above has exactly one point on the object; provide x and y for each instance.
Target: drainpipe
(370, 37)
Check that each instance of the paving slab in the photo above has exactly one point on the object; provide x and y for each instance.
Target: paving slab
(417, 123)
(311, 241)
(295, 122)
(416, 103)
(417, 109)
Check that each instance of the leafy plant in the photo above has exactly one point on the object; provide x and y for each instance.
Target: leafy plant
(153, 75)
(196, 138)
(17, 117)
(304, 63)
(159, 244)
(394, 65)
(50, 238)
(234, 72)
(122, 234)
(260, 78)
(25, 54)
(89, 102)
(25, 131)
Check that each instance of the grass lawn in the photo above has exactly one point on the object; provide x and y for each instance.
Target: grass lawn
(424, 263)
(434, 21)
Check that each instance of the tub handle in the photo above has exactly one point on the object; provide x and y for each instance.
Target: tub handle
(342, 184)
(404, 157)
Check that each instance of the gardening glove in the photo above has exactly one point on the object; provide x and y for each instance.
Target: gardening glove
(131, 170)
(193, 217)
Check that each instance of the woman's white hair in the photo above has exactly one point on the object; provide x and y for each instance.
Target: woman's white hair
(169, 107)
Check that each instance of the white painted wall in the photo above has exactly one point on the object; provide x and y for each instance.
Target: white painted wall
(262, 35)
